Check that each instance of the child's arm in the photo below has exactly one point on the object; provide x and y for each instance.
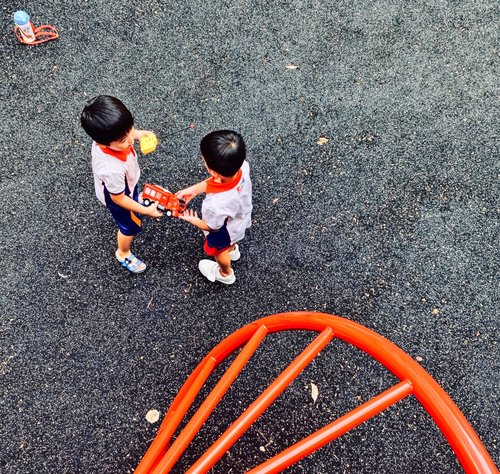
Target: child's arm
(128, 203)
(138, 134)
(189, 193)
(192, 216)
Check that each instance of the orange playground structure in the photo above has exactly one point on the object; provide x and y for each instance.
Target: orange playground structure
(162, 455)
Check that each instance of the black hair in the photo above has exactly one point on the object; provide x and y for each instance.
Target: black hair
(106, 119)
(224, 152)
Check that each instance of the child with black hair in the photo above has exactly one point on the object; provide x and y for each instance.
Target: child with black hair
(227, 207)
(116, 171)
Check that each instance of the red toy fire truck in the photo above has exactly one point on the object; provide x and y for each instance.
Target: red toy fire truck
(168, 202)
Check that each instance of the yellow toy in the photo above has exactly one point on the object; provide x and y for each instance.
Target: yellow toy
(148, 143)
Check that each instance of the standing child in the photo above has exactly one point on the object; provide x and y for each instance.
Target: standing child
(227, 207)
(116, 171)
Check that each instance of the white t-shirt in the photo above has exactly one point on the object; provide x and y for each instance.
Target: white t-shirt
(231, 201)
(114, 171)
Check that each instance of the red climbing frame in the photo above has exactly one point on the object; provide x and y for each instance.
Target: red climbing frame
(414, 380)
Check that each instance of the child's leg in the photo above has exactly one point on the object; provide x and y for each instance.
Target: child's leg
(224, 262)
(124, 245)
(124, 252)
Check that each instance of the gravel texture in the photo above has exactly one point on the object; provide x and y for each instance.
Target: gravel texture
(392, 222)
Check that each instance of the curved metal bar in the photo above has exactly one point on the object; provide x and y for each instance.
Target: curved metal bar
(335, 429)
(191, 429)
(175, 415)
(266, 398)
(464, 441)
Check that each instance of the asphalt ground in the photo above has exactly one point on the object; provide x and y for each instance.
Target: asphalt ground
(391, 222)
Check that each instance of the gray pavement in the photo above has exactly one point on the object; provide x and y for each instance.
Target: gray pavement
(391, 222)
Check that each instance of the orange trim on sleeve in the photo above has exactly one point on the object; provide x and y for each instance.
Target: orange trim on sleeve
(213, 187)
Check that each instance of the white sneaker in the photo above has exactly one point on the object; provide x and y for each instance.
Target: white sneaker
(235, 254)
(211, 271)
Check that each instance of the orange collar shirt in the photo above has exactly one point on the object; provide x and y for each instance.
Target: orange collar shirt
(115, 172)
(229, 204)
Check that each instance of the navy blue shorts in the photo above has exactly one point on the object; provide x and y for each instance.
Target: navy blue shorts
(217, 241)
(128, 222)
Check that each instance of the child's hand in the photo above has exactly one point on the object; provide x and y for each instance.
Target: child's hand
(190, 216)
(141, 133)
(187, 194)
(153, 211)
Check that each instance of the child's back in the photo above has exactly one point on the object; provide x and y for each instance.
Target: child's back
(227, 207)
(231, 207)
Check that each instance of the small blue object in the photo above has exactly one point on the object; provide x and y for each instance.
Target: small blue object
(21, 18)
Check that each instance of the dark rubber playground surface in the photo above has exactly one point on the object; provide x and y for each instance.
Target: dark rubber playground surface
(392, 223)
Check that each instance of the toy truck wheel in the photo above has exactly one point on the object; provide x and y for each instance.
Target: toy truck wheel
(147, 202)
(168, 213)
